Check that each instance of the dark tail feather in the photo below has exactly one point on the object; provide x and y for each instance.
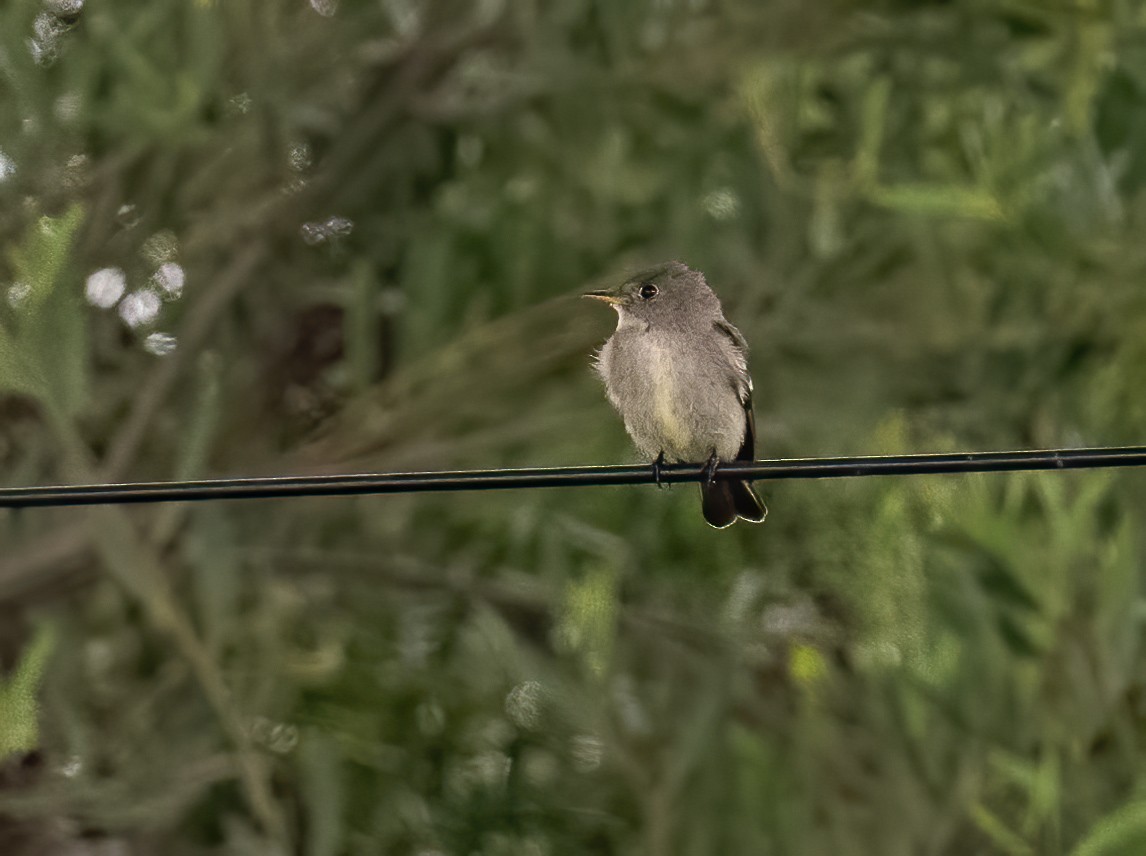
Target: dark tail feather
(748, 504)
(724, 501)
(717, 503)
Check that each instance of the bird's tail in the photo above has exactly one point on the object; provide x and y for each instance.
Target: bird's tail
(724, 501)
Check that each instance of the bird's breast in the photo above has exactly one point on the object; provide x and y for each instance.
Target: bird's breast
(666, 391)
(647, 384)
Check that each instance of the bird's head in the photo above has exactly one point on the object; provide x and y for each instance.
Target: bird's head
(670, 294)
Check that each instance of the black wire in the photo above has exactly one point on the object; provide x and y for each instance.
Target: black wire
(363, 483)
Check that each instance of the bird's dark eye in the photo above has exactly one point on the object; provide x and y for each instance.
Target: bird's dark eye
(648, 291)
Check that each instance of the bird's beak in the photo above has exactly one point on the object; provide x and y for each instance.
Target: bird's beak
(607, 296)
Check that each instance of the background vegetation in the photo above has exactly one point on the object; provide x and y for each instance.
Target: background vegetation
(243, 237)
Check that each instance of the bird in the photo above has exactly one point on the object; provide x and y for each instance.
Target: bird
(676, 371)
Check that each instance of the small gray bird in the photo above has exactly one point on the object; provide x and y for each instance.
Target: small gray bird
(676, 371)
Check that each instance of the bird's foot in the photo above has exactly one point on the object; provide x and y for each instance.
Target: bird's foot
(657, 464)
(710, 470)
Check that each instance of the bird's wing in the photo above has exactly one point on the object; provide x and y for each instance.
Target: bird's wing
(748, 447)
(738, 354)
(743, 386)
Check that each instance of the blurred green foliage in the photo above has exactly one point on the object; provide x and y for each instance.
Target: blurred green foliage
(18, 707)
(330, 235)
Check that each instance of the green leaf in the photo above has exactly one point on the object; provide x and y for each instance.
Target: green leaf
(46, 351)
(1120, 833)
(865, 167)
(19, 729)
(39, 260)
(15, 375)
(945, 200)
(1001, 835)
(590, 615)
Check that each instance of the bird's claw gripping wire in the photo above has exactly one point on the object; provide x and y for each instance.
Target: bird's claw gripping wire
(710, 470)
(657, 464)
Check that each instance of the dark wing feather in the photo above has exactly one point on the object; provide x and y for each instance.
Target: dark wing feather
(725, 501)
(748, 447)
(743, 387)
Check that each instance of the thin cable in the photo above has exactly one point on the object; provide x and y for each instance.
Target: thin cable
(379, 483)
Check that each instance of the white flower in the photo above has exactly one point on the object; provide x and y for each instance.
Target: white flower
(139, 308)
(160, 344)
(105, 287)
(170, 278)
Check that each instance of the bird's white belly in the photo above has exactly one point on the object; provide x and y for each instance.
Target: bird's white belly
(674, 401)
(668, 397)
